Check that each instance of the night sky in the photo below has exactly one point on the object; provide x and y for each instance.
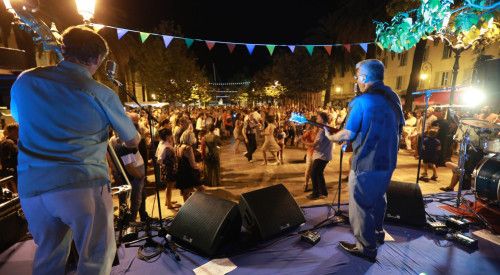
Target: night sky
(273, 22)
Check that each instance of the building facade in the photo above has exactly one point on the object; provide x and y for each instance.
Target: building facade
(436, 70)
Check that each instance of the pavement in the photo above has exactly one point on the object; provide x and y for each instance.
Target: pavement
(240, 176)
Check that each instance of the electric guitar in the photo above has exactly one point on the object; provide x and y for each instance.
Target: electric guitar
(300, 119)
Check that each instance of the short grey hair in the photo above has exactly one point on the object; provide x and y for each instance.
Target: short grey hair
(372, 68)
(188, 138)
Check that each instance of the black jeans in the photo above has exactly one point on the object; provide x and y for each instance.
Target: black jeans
(318, 177)
(251, 146)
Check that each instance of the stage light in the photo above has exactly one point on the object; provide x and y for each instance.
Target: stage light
(473, 96)
(7, 5)
(86, 9)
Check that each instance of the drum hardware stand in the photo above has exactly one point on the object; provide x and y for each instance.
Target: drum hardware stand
(162, 232)
(464, 156)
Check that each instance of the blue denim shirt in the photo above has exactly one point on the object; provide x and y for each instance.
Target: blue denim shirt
(64, 117)
(376, 119)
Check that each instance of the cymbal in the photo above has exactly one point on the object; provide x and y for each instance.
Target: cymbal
(477, 123)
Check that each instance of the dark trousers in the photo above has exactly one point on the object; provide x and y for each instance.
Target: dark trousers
(251, 146)
(318, 177)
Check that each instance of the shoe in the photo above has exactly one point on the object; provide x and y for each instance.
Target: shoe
(422, 178)
(434, 178)
(274, 163)
(352, 249)
(446, 189)
(306, 188)
(251, 161)
(312, 197)
(264, 164)
(323, 196)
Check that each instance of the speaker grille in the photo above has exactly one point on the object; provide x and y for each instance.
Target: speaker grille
(206, 222)
(269, 211)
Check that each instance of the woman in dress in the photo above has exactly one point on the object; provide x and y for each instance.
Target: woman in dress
(237, 133)
(188, 171)
(270, 143)
(212, 157)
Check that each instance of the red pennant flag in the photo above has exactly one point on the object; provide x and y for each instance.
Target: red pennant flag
(231, 47)
(347, 47)
(328, 49)
(210, 44)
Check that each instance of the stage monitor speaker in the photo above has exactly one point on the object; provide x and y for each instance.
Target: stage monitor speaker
(405, 204)
(270, 211)
(205, 223)
(13, 224)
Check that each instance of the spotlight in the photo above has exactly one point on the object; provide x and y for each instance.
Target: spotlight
(472, 96)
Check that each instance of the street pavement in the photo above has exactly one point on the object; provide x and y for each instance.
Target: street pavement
(240, 176)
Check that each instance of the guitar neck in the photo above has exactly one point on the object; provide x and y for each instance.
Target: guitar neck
(321, 125)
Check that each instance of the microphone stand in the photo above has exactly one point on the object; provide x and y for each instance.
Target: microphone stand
(162, 232)
(427, 96)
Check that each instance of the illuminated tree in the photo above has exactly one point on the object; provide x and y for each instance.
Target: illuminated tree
(462, 24)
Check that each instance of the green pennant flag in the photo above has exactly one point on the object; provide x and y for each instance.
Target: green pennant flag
(188, 42)
(270, 48)
(144, 36)
(310, 49)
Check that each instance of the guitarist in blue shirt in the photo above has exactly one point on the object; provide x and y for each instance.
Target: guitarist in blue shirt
(374, 128)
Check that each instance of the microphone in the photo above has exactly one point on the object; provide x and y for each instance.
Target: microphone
(111, 69)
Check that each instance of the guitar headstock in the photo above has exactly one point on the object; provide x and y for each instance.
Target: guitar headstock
(48, 37)
(298, 118)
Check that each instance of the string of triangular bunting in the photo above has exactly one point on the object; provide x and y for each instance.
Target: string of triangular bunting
(167, 39)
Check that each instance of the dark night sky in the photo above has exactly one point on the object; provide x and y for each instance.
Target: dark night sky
(273, 22)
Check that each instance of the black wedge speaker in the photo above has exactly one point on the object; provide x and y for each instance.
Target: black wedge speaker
(405, 204)
(270, 211)
(205, 223)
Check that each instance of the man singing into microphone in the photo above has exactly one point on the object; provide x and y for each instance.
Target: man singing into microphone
(64, 117)
(373, 126)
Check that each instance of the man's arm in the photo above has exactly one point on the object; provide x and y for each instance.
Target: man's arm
(341, 136)
(133, 143)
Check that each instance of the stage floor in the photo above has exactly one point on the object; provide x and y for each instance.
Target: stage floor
(413, 251)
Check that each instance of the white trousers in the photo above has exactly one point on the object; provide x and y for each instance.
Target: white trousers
(84, 215)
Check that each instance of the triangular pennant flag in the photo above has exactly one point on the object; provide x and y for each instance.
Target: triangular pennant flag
(167, 39)
(270, 48)
(364, 46)
(250, 48)
(328, 49)
(121, 32)
(347, 47)
(210, 44)
(292, 48)
(310, 49)
(98, 27)
(231, 47)
(144, 36)
(188, 42)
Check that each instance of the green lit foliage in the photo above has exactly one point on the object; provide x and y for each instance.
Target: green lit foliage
(462, 23)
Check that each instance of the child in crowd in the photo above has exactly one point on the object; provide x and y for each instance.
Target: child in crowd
(430, 153)
(280, 138)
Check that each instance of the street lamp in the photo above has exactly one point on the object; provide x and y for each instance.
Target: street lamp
(86, 9)
(424, 76)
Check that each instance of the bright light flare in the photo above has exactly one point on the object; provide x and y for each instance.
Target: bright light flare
(424, 76)
(7, 5)
(338, 89)
(473, 96)
(86, 8)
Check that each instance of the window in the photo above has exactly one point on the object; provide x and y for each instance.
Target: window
(445, 79)
(399, 82)
(447, 52)
(426, 53)
(403, 59)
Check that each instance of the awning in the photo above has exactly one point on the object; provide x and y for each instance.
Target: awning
(440, 97)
